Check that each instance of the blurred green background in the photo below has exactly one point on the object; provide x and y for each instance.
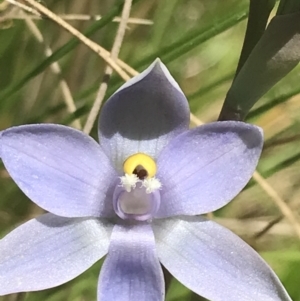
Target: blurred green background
(200, 42)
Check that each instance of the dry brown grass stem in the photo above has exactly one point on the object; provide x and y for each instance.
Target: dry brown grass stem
(249, 227)
(78, 17)
(275, 220)
(117, 65)
(111, 58)
(286, 211)
(55, 68)
(25, 7)
(195, 120)
(108, 70)
(92, 45)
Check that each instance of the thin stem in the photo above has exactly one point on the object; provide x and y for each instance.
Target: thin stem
(268, 227)
(279, 202)
(92, 45)
(250, 226)
(74, 17)
(127, 68)
(108, 71)
(25, 7)
(66, 93)
(195, 120)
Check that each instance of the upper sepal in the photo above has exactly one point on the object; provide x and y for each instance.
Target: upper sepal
(143, 115)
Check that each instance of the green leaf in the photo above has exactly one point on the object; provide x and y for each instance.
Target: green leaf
(193, 39)
(161, 20)
(288, 7)
(274, 56)
(209, 87)
(259, 13)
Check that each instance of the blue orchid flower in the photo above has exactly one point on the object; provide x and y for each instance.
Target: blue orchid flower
(136, 197)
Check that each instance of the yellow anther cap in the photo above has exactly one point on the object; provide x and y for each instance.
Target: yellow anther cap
(140, 160)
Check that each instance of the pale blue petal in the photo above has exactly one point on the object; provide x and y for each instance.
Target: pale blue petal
(49, 251)
(203, 169)
(59, 168)
(143, 115)
(215, 263)
(131, 270)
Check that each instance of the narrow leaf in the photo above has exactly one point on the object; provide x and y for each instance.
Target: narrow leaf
(275, 55)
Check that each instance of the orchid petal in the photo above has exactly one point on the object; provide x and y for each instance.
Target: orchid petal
(143, 115)
(204, 168)
(61, 169)
(131, 270)
(49, 251)
(215, 263)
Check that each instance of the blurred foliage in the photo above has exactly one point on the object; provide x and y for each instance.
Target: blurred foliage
(200, 41)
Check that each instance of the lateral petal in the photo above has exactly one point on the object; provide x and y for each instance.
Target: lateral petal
(215, 263)
(50, 250)
(205, 168)
(60, 169)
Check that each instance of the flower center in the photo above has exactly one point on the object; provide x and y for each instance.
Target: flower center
(138, 196)
(141, 172)
(141, 165)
